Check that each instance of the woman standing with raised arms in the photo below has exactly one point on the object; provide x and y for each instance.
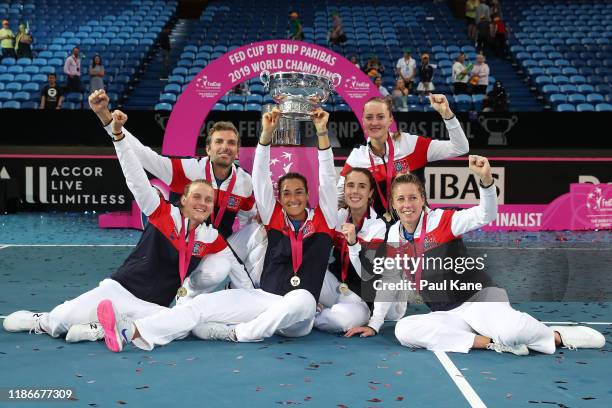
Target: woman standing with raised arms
(387, 155)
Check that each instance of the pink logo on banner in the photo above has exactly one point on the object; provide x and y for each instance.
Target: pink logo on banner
(586, 206)
(284, 160)
(248, 62)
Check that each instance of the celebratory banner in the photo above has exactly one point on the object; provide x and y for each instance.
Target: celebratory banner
(251, 61)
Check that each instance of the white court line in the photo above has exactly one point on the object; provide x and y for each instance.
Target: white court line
(590, 323)
(65, 245)
(460, 381)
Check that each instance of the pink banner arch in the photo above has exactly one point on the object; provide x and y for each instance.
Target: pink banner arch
(241, 64)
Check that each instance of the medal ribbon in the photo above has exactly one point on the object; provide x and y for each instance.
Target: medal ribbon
(223, 204)
(390, 170)
(296, 246)
(186, 250)
(344, 251)
(419, 251)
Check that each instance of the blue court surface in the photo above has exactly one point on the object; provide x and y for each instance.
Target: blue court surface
(48, 258)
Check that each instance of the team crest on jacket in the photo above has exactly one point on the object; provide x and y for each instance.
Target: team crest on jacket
(308, 229)
(233, 203)
(198, 247)
(430, 242)
(401, 166)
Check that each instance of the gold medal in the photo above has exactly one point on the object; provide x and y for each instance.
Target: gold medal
(181, 292)
(387, 216)
(295, 281)
(343, 288)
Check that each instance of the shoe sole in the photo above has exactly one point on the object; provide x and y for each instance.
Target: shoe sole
(106, 317)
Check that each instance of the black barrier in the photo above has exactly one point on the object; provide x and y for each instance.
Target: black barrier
(550, 130)
(68, 183)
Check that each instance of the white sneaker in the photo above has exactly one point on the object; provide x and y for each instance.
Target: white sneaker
(573, 337)
(215, 331)
(24, 320)
(117, 329)
(85, 332)
(519, 349)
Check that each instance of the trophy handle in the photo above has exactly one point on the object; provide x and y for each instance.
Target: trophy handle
(334, 81)
(265, 78)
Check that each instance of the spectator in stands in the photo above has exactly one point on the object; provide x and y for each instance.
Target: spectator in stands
(355, 60)
(51, 96)
(400, 96)
(72, 69)
(96, 74)
(164, 49)
(240, 89)
(336, 34)
(500, 36)
(495, 8)
(6, 40)
(426, 73)
(496, 100)
(374, 68)
(483, 10)
(470, 16)
(479, 79)
(295, 27)
(460, 74)
(484, 34)
(23, 42)
(379, 85)
(406, 68)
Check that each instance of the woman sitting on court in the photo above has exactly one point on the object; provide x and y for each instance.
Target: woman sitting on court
(387, 155)
(340, 303)
(175, 243)
(468, 311)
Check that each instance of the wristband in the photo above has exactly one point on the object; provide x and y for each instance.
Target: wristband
(483, 186)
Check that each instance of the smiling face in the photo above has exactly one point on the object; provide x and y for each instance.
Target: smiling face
(357, 191)
(377, 120)
(223, 148)
(293, 196)
(197, 202)
(408, 202)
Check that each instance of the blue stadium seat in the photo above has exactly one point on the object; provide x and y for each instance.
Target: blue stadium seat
(23, 78)
(585, 88)
(236, 99)
(463, 102)
(258, 99)
(15, 69)
(253, 107)
(585, 107)
(342, 107)
(172, 88)
(557, 99)
(576, 98)
(9, 61)
(163, 107)
(13, 87)
(32, 69)
(566, 107)
(21, 96)
(11, 105)
(39, 78)
(477, 100)
(75, 97)
(31, 87)
(29, 105)
(167, 97)
(218, 107)
(595, 98)
(568, 89)
(603, 107)
(235, 107)
(68, 106)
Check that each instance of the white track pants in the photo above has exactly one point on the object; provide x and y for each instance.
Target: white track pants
(257, 315)
(341, 312)
(83, 309)
(455, 330)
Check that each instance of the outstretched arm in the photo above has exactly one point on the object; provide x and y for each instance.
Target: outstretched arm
(328, 198)
(262, 177)
(458, 143)
(486, 211)
(135, 176)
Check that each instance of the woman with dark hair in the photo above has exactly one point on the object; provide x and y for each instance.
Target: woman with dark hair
(468, 311)
(386, 154)
(96, 74)
(340, 304)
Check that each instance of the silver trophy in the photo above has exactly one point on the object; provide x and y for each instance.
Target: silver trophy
(296, 94)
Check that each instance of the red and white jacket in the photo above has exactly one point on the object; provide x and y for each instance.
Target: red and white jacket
(411, 153)
(151, 271)
(177, 173)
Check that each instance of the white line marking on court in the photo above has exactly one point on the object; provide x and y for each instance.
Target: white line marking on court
(459, 380)
(590, 323)
(65, 245)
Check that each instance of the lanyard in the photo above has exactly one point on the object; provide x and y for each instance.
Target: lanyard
(186, 249)
(390, 170)
(344, 251)
(419, 251)
(296, 246)
(216, 220)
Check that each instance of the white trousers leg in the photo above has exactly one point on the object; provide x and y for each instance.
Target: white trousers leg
(257, 315)
(250, 243)
(341, 311)
(82, 309)
(496, 320)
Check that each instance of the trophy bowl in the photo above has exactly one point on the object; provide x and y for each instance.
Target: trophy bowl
(297, 93)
